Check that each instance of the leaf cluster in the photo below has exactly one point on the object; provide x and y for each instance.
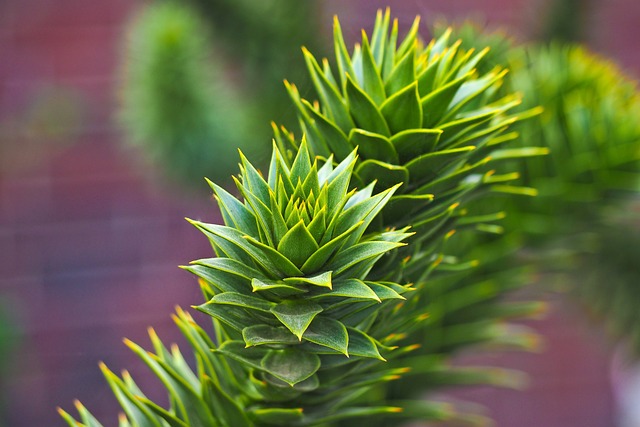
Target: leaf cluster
(317, 304)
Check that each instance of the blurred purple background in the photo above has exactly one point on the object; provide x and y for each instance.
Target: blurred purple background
(89, 248)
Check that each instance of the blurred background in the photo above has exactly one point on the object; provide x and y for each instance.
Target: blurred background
(94, 184)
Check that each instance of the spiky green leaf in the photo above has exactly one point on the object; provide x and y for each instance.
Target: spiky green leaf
(296, 315)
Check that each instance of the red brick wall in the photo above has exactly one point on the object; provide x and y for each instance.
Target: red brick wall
(89, 249)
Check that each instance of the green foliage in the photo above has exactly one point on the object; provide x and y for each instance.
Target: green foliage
(591, 179)
(202, 79)
(176, 101)
(477, 35)
(260, 38)
(316, 300)
(421, 116)
(10, 340)
(297, 321)
(581, 226)
(589, 124)
(444, 158)
(567, 20)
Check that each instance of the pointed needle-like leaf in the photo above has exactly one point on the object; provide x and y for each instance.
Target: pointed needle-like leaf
(296, 315)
